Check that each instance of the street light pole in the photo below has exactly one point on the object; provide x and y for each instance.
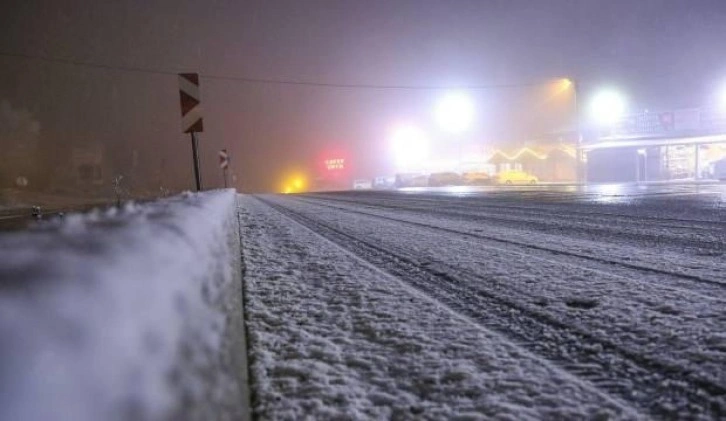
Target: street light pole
(195, 158)
(454, 113)
(581, 176)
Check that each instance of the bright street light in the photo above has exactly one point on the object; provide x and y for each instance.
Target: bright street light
(722, 99)
(607, 107)
(410, 146)
(455, 112)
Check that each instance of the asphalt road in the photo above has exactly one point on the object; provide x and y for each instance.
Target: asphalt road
(622, 286)
(604, 193)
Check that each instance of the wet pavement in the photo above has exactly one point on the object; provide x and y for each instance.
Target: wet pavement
(699, 194)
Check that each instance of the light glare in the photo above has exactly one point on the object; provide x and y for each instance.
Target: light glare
(455, 112)
(722, 99)
(410, 146)
(607, 108)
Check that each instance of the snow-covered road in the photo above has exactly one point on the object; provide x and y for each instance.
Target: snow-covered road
(384, 304)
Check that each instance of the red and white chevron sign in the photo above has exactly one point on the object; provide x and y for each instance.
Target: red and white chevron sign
(190, 109)
(223, 159)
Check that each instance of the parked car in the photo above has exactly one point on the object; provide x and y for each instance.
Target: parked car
(477, 178)
(362, 184)
(441, 179)
(383, 182)
(411, 180)
(516, 177)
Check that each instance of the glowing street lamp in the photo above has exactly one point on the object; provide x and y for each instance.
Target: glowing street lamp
(410, 146)
(721, 99)
(455, 112)
(607, 108)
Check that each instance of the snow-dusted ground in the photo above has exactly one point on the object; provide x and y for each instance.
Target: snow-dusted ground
(132, 314)
(623, 304)
(527, 305)
(335, 337)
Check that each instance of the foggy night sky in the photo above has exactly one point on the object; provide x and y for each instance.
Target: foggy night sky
(661, 53)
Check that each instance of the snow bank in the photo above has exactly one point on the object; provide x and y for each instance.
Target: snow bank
(130, 314)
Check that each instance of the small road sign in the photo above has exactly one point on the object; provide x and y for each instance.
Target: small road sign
(223, 159)
(190, 109)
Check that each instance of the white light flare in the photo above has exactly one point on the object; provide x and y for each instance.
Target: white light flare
(410, 146)
(721, 99)
(455, 112)
(607, 108)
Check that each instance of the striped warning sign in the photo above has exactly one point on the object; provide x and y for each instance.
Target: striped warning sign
(223, 159)
(190, 109)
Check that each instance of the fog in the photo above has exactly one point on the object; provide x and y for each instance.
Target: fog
(122, 114)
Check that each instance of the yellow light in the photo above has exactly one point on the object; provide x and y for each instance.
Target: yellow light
(294, 183)
(562, 86)
(558, 90)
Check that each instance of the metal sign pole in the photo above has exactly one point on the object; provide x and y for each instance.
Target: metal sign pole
(192, 121)
(195, 157)
(224, 171)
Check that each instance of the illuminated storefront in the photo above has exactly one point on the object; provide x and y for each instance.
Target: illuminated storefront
(549, 163)
(673, 145)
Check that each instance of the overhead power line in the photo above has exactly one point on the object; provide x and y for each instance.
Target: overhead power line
(252, 80)
(367, 86)
(87, 64)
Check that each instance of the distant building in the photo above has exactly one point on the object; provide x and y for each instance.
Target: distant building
(550, 163)
(658, 146)
(19, 158)
(85, 170)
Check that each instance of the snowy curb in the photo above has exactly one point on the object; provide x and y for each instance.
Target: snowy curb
(130, 314)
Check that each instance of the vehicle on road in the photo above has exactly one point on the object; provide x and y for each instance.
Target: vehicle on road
(384, 182)
(442, 179)
(516, 177)
(479, 178)
(362, 184)
(411, 180)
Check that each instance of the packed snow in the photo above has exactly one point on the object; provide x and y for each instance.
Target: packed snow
(124, 314)
(625, 301)
(368, 306)
(332, 336)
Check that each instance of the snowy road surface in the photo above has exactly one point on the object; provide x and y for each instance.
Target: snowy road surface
(370, 305)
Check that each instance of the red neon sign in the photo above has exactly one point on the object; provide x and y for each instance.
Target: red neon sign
(335, 164)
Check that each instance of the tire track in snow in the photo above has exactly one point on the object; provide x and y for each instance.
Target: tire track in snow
(663, 389)
(403, 343)
(716, 284)
(551, 208)
(584, 226)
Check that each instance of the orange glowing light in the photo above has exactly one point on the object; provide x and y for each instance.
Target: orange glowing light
(294, 183)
